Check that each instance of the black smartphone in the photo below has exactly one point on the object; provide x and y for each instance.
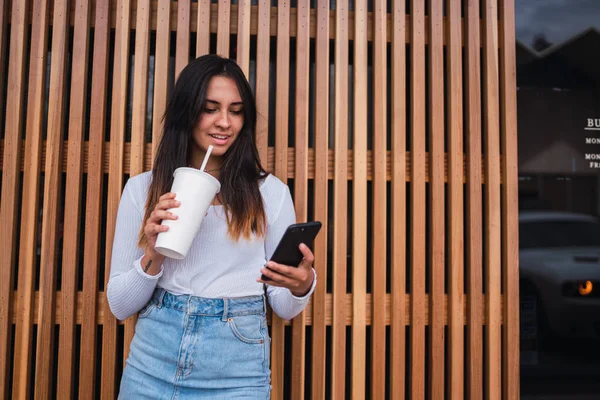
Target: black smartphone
(287, 251)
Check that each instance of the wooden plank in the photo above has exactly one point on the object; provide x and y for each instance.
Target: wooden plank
(492, 206)
(182, 50)
(340, 199)
(29, 216)
(93, 212)
(455, 207)
(161, 71)
(474, 232)
(510, 198)
(359, 203)
(72, 213)
(139, 108)
(269, 162)
(397, 351)
(10, 185)
(4, 21)
(281, 146)
(437, 217)
(262, 79)
(319, 350)
(379, 201)
(101, 299)
(243, 36)
(203, 27)
(417, 201)
(301, 183)
(115, 186)
(223, 28)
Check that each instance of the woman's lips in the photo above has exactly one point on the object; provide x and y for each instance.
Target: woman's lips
(219, 139)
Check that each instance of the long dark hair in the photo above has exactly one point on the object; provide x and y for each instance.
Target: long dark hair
(241, 169)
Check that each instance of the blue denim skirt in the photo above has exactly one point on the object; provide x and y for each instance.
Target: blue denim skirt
(188, 347)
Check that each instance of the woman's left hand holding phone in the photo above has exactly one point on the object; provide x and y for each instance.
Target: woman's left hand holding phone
(152, 260)
(298, 279)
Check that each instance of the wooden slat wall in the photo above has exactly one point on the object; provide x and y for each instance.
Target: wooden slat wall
(393, 161)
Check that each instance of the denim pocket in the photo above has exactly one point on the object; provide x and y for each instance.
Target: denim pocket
(147, 309)
(247, 328)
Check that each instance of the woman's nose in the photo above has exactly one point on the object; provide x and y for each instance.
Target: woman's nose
(223, 120)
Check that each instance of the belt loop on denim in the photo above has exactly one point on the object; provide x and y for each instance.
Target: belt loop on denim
(225, 309)
(160, 297)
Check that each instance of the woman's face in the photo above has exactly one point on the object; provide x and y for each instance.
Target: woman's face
(221, 119)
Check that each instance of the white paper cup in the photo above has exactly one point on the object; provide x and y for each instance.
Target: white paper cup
(195, 190)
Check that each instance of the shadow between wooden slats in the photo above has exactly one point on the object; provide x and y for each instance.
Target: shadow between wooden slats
(9, 207)
(492, 210)
(93, 214)
(115, 186)
(474, 233)
(510, 197)
(436, 207)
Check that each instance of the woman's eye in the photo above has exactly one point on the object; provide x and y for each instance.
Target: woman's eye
(236, 112)
(210, 110)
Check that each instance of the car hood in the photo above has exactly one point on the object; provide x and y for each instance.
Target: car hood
(574, 262)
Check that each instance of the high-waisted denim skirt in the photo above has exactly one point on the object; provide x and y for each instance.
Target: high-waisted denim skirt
(188, 347)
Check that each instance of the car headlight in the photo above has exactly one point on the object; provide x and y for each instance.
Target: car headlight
(585, 288)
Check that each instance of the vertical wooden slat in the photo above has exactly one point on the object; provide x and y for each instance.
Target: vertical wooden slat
(223, 28)
(161, 69)
(203, 27)
(10, 182)
(359, 202)
(262, 78)
(510, 198)
(417, 202)
(301, 181)
(378, 287)
(182, 51)
(340, 199)
(140, 87)
(139, 105)
(93, 212)
(474, 206)
(73, 190)
(492, 227)
(30, 213)
(321, 130)
(455, 199)
(436, 199)
(115, 186)
(397, 352)
(4, 4)
(281, 150)
(243, 36)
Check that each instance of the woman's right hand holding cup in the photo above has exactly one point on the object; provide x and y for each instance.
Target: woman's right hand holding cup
(152, 259)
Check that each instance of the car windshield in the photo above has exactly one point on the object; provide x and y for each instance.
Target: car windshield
(544, 234)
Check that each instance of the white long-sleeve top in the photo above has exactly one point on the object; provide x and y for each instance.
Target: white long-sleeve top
(215, 267)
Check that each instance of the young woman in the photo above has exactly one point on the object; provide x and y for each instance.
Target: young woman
(202, 330)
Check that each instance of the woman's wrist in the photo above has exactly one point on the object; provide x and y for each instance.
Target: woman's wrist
(152, 261)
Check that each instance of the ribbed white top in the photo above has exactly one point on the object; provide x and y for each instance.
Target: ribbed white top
(215, 267)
